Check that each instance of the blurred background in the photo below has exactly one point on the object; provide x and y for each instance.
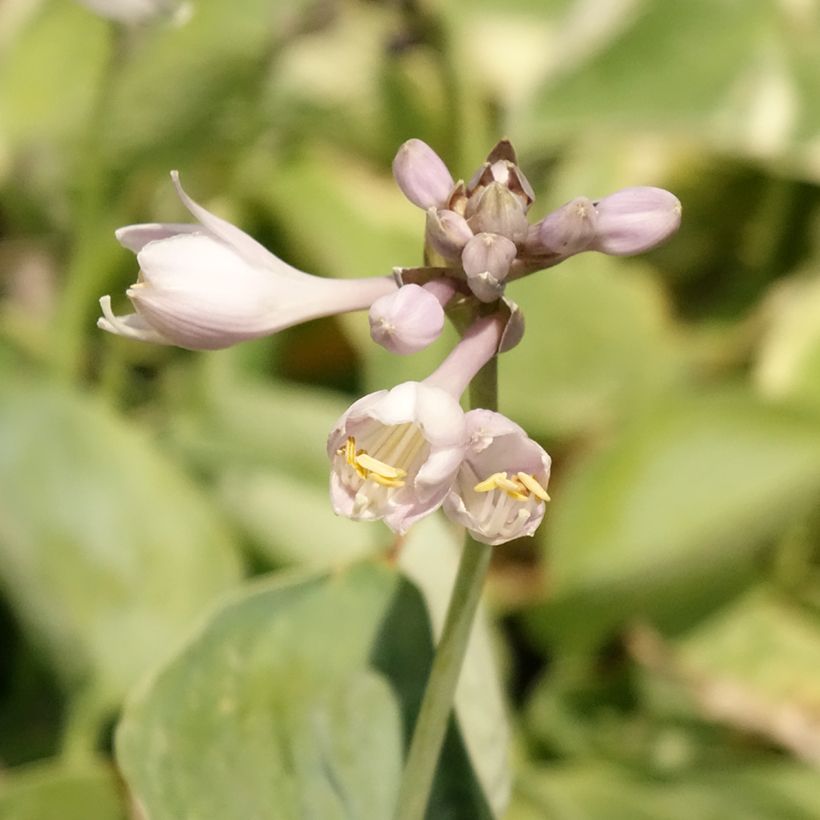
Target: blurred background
(658, 642)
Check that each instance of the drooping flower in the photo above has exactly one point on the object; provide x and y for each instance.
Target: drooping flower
(394, 453)
(209, 285)
(500, 491)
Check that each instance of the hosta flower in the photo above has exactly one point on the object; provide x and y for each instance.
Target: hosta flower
(209, 285)
(394, 454)
(422, 175)
(500, 491)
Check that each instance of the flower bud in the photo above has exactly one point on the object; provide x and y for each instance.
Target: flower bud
(498, 210)
(634, 220)
(486, 260)
(407, 320)
(447, 232)
(422, 175)
(570, 229)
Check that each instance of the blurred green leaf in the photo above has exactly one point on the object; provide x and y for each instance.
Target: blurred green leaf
(107, 553)
(597, 347)
(667, 520)
(271, 711)
(768, 652)
(50, 72)
(591, 792)
(189, 85)
(788, 360)
(49, 791)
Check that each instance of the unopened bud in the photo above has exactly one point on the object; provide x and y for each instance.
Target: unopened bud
(634, 220)
(422, 175)
(447, 232)
(486, 260)
(570, 229)
(499, 211)
(406, 320)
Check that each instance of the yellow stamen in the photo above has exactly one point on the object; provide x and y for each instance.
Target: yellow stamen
(373, 465)
(530, 482)
(367, 467)
(489, 483)
(519, 488)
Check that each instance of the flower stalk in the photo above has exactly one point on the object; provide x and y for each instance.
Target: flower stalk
(439, 695)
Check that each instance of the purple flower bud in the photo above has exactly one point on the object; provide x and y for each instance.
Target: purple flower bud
(422, 175)
(407, 320)
(486, 260)
(447, 232)
(499, 211)
(570, 229)
(634, 220)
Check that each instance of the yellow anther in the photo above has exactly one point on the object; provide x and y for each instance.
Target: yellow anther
(350, 451)
(530, 482)
(512, 488)
(373, 465)
(490, 483)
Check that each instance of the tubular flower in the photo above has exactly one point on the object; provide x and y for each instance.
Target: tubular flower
(500, 489)
(209, 285)
(394, 454)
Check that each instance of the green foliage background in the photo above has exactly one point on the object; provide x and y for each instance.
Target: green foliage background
(169, 563)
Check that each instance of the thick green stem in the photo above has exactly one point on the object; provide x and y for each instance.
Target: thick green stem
(437, 704)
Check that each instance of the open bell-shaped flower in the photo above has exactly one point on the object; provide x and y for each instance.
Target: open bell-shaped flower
(394, 454)
(500, 491)
(209, 285)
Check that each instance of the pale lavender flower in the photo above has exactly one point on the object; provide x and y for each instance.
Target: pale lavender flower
(447, 233)
(210, 285)
(500, 491)
(422, 175)
(634, 220)
(394, 453)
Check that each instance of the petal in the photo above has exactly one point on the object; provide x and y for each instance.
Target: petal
(136, 237)
(568, 230)
(132, 325)
(247, 246)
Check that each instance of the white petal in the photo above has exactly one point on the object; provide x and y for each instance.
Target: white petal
(136, 237)
(247, 246)
(133, 326)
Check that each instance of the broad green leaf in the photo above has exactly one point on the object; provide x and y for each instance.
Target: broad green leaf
(49, 791)
(596, 347)
(429, 557)
(272, 710)
(107, 553)
(667, 520)
(590, 792)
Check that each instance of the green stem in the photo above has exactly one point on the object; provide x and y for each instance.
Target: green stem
(437, 704)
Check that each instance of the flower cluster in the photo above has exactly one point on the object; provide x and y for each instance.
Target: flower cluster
(397, 455)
